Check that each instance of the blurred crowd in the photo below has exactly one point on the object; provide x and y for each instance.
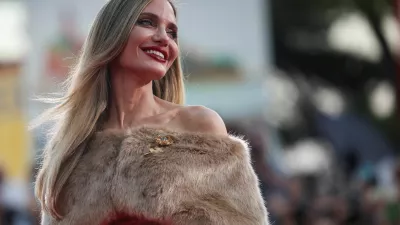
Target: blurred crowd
(349, 192)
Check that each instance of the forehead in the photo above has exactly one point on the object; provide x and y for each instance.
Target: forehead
(162, 8)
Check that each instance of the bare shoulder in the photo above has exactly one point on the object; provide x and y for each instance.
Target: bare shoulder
(201, 119)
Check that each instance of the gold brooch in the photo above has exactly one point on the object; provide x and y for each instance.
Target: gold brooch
(164, 140)
(160, 141)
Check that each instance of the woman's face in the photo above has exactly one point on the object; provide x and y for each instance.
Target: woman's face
(152, 45)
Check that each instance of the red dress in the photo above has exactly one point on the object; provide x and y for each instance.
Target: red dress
(123, 219)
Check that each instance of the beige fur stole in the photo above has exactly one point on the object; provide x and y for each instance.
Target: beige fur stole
(190, 178)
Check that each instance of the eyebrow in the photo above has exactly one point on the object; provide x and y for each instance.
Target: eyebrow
(174, 26)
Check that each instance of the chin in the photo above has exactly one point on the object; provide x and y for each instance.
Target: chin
(156, 75)
(147, 71)
(152, 73)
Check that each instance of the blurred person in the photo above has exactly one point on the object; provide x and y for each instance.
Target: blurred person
(124, 148)
(5, 216)
(391, 210)
(9, 215)
(370, 199)
(298, 199)
(324, 221)
(281, 209)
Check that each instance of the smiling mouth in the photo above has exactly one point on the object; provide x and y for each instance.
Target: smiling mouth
(158, 56)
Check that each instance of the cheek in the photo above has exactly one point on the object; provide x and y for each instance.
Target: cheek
(174, 52)
(136, 38)
(130, 50)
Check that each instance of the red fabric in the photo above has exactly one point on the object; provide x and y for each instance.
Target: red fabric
(124, 219)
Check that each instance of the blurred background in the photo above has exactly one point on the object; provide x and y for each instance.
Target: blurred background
(314, 85)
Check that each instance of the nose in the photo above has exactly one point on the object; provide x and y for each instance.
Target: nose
(161, 37)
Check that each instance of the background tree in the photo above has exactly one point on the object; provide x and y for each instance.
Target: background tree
(300, 42)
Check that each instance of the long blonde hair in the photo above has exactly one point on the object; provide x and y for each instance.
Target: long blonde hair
(78, 112)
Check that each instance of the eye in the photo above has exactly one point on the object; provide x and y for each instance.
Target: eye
(145, 22)
(172, 33)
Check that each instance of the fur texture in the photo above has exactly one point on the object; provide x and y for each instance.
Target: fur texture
(199, 179)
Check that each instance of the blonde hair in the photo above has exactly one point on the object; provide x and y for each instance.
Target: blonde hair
(79, 111)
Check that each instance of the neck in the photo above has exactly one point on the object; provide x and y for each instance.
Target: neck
(132, 101)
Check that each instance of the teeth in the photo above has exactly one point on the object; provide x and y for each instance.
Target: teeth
(156, 53)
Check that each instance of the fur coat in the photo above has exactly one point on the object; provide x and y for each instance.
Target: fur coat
(176, 177)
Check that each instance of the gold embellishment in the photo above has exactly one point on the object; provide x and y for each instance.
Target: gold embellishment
(160, 142)
(156, 150)
(164, 140)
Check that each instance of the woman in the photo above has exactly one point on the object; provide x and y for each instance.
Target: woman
(125, 149)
